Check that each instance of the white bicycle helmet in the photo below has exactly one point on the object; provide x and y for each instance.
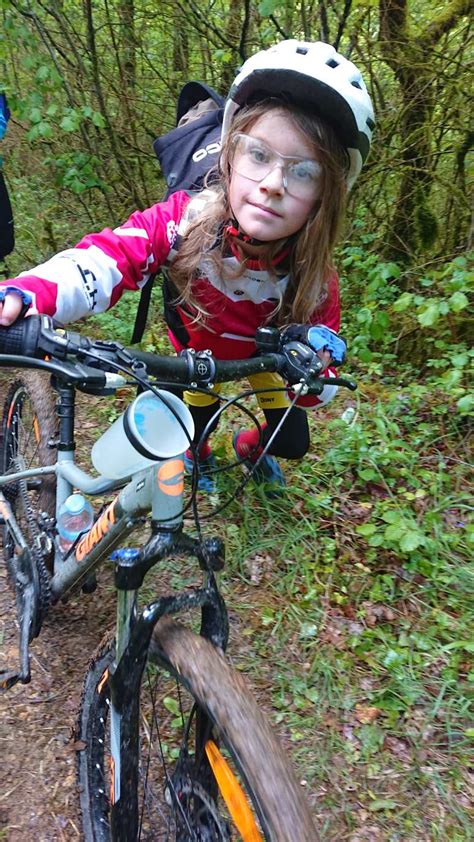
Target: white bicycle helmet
(316, 77)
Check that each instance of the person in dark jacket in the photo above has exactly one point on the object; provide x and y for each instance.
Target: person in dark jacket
(7, 238)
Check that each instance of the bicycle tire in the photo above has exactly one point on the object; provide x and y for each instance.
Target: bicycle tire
(275, 796)
(27, 430)
(28, 427)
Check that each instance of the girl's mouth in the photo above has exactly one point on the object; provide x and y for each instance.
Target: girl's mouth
(265, 209)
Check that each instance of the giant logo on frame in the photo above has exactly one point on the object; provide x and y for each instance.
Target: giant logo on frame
(97, 531)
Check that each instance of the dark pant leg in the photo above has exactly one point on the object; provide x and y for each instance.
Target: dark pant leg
(202, 415)
(292, 440)
(7, 239)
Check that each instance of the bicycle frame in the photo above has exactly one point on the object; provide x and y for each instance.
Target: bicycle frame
(156, 489)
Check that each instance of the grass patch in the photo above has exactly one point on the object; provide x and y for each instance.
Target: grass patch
(352, 602)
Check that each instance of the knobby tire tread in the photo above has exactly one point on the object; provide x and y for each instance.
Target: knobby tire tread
(241, 726)
(225, 694)
(42, 398)
(40, 395)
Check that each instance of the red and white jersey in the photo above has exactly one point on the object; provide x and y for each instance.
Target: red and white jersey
(91, 277)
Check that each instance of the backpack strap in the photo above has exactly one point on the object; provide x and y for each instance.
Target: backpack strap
(186, 154)
(7, 237)
(142, 310)
(192, 210)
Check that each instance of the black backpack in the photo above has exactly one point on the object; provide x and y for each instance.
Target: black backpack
(186, 154)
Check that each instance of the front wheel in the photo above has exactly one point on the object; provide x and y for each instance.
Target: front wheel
(210, 766)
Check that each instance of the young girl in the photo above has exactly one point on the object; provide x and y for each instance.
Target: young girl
(252, 250)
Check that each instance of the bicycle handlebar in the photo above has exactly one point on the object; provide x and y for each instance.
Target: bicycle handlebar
(36, 337)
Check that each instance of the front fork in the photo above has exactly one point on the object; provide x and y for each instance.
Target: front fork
(133, 641)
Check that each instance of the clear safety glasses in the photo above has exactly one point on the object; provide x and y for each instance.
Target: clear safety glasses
(253, 159)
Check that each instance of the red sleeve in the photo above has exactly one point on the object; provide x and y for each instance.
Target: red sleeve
(329, 312)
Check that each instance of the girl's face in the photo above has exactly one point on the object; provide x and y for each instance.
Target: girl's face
(266, 209)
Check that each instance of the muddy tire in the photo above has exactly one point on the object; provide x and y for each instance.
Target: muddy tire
(244, 736)
(28, 428)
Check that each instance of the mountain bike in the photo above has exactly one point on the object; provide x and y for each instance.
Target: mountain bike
(173, 745)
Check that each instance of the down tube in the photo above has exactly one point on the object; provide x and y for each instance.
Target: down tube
(105, 534)
(159, 489)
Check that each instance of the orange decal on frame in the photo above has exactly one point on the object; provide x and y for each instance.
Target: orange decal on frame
(171, 477)
(112, 780)
(97, 532)
(103, 681)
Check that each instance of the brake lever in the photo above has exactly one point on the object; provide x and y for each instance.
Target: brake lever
(316, 386)
(301, 363)
(110, 351)
(342, 381)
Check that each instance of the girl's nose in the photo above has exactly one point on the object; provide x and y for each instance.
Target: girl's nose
(274, 181)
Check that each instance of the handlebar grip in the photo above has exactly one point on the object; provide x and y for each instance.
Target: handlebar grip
(173, 369)
(343, 381)
(21, 338)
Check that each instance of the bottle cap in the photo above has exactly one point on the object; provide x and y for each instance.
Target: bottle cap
(75, 504)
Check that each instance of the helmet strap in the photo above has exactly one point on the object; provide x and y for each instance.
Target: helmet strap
(233, 230)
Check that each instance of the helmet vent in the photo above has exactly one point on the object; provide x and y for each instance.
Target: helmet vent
(356, 85)
(370, 123)
(302, 50)
(332, 63)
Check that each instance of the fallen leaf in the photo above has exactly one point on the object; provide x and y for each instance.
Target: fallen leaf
(365, 714)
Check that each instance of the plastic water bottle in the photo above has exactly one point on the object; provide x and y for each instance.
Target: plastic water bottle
(76, 515)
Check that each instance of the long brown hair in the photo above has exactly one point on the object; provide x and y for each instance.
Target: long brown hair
(311, 255)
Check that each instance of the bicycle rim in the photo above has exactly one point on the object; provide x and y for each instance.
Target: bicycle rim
(179, 796)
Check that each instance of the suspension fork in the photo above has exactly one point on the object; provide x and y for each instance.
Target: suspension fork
(134, 636)
(125, 684)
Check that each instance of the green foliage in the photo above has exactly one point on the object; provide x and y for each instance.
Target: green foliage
(268, 7)
(452, 281)
(119, 321)
(360, 605)
(77, 171)
(428, 325)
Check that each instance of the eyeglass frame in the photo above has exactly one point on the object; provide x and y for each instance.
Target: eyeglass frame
(280, 162)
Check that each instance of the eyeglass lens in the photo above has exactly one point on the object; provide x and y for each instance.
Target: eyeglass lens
(253, 159)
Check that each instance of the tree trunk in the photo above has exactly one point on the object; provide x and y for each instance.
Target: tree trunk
(414, 227)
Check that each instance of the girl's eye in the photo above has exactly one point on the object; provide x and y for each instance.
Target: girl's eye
(258, 154)
(308, 171)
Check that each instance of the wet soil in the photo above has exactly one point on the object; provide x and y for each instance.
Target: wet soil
(38, 787)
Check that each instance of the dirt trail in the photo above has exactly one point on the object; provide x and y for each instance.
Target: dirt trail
(38, 788)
